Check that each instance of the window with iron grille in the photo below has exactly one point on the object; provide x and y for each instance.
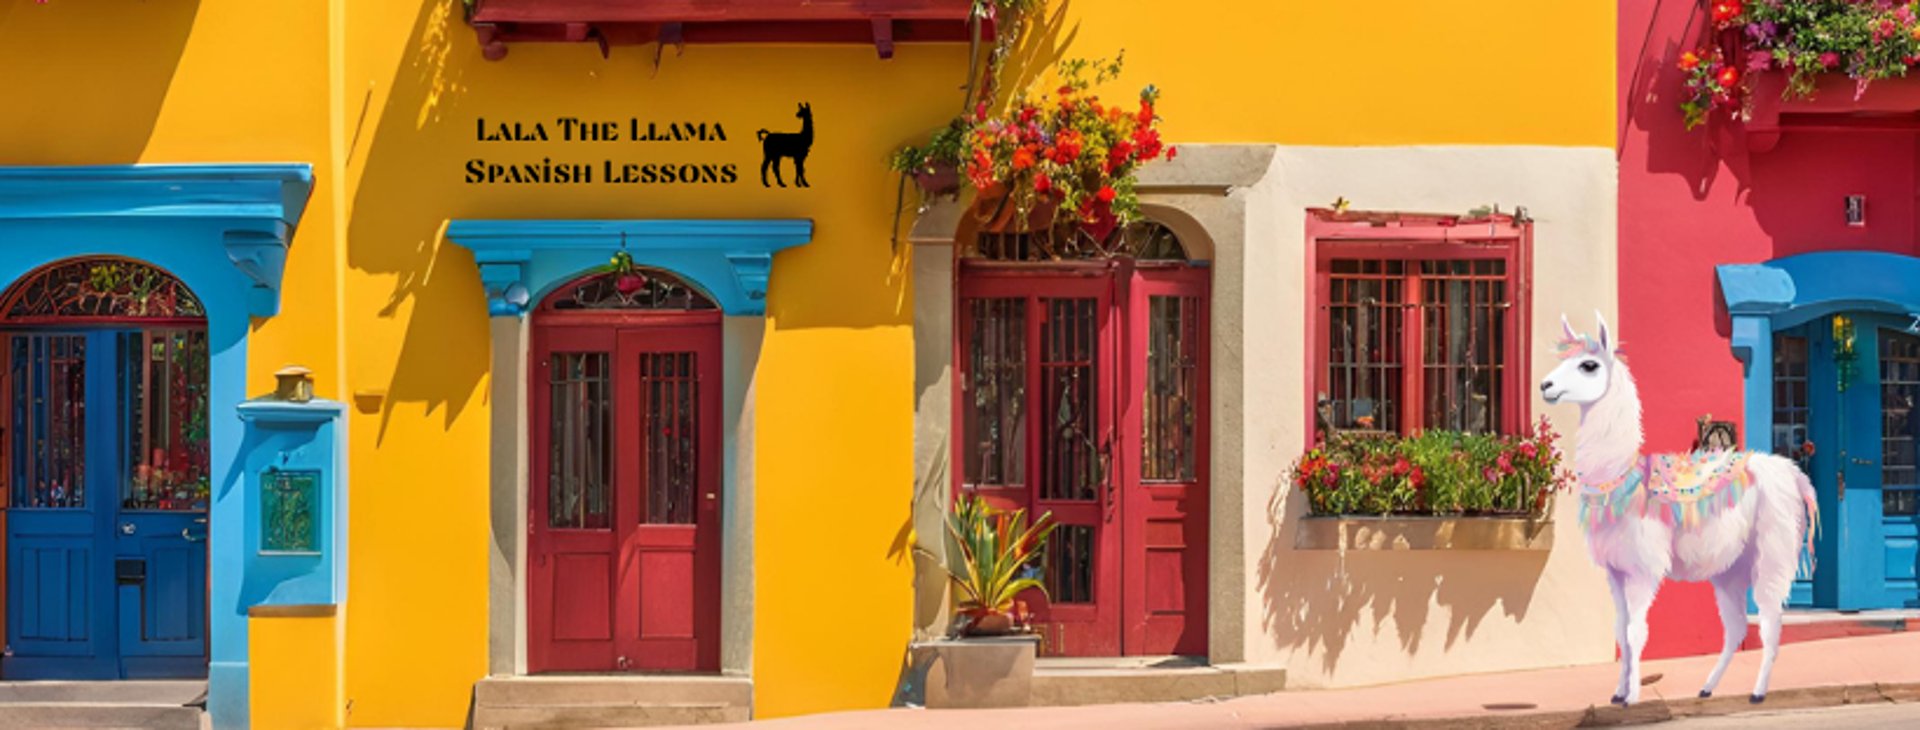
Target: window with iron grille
(1419, 322)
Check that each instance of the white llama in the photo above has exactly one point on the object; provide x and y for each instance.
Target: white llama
(1736, 519)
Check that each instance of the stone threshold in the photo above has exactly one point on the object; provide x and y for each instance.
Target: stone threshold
(610, 700)
(1076, 681)
(1410, 532)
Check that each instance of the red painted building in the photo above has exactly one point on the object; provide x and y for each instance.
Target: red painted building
(1702, 212)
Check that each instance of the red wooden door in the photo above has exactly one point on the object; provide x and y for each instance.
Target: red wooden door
(624, 503)
(1163, 473)
(1082, 392)
(1038, 353)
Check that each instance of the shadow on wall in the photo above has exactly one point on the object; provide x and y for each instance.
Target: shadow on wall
(109, 101)
(1316, 600)
(395, 234)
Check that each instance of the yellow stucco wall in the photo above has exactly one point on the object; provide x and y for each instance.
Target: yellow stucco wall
(381, 97)
(295, 672)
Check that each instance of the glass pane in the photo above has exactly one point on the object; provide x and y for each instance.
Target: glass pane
(1069, 377)
(1364, 336)
(48, 464)
(1900, 503)
(1790, 397)
(636, 288)
(995, 425)
(1172, 389)
(163, 411)
(99, 287)
(1899, 419)
(1069, 571)
(672, 434)
(1463, 313)
(579, 454)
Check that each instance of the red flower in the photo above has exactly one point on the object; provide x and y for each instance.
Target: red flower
(1023, 158)
(1066, 91)
(1829, 59)
(1401, 466)
(1041, 183)
(1106, 194)
(1689, 61)
(1725, 11)
(1172, 152)
(1729, 76)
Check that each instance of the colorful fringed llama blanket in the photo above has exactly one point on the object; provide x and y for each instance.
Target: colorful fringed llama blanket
(1684, 490)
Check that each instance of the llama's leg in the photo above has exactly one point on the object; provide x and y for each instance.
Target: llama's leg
(1615, 582)
(1639, 590)
(764, 163)
(800, 172)
(1730, 592)
(1770, 640)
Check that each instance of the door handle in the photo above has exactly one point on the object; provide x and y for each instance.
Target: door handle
(187, 534)
(199, 520)
(1860, 461)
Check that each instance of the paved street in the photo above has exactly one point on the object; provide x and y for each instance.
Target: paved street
(1852, 717)
(1826, 672)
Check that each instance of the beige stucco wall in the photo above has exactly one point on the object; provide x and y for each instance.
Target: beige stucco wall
(1358, 618)
(1331, 619)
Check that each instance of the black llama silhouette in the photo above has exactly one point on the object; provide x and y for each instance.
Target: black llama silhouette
(776, 145)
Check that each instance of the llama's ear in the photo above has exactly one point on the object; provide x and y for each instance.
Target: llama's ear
(1566, 327)
(1606, 339)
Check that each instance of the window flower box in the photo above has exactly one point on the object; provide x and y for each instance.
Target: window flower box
(1433, 473)
(1423, 533)
(636, 22)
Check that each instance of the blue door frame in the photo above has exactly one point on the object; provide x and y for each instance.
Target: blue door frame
(1865, 559)
(99, 592)
(224, 231)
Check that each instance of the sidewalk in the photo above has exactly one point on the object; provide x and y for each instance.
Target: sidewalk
(1838, 671)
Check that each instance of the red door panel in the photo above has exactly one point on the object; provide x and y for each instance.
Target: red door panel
(1164, 472)
(571, 504)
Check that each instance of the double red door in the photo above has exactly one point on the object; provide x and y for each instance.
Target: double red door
(1083, 393)
(624, 505)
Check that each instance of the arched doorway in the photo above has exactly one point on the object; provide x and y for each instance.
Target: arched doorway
(624, 498)
(104, 377)
(1082, 390)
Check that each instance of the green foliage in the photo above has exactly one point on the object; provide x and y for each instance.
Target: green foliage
(1434, 472)
(990, 553)
(945, 147)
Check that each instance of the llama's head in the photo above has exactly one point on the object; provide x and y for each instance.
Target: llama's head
(805, 111)
(1586, 366)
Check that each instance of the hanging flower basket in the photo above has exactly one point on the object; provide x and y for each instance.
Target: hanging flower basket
(938, 179)
(998, 212)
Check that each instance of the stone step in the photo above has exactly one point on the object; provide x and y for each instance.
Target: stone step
(599, 701)
(1073, 682)
(95, 715)
(124, 692)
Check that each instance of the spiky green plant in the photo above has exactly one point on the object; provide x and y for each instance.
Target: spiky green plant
(991, 551)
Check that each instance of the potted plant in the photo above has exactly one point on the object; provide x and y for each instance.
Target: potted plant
(993, 557)
(1067, 151)
(935, 166)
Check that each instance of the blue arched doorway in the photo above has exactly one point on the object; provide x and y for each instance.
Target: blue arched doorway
(222, 231)
(1831, 345)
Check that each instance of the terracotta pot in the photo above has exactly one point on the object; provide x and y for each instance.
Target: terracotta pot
(990, 624)
(937, 179)
(998, 214)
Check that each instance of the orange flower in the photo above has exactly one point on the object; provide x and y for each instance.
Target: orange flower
(1023, 158)
(1689, 61)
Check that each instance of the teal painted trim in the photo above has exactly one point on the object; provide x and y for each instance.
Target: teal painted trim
(287, 436)
(731, 261)
(1802, 288)
(252, 209)
(223, 231)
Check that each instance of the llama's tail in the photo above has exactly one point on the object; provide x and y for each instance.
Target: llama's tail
(1813, 513)
(763, 135)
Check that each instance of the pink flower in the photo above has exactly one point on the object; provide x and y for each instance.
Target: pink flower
(1829, 59)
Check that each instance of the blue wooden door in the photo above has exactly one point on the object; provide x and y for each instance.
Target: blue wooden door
(106, 532)
(1892, 509)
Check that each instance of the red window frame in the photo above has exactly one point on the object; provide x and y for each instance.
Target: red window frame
(1413, 238)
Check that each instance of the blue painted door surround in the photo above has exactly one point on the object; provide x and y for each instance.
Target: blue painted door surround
(1865, 435)
(224, 231)
(96, 591)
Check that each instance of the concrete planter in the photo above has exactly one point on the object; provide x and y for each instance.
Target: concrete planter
(1422, 533)
(976, 672)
